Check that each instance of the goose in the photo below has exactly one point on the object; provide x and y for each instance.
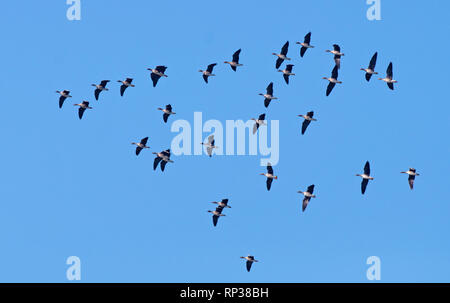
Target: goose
(268, 96)
(222, 204)
(305, 44)
(269, 176)
(216, 214)
(83, 106)
(282, 56)
(287, 72)
(333, 80)
(99, 88)
(157, 73)
(308, 118)
(337, 54)
(167, 112)
(125, 84)
(250, 260)
(370, 70)
(208, 72)
(64, 95)
(141, 145)
(258, 122)
(162, 157)
(210, 145)
(411, 176)
(389, 81)
(365, 177)
(308, 195)
(235, 62)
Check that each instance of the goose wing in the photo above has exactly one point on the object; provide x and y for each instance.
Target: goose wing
(305, 203)
(411, 181)
(61, 101)
(284, 49)
(236, 57)
(278, 63)
(155, 78)
(269, 169)
(269, 89)
(307, 38)
(81, 112)
(156, 162)
(367, 168)
(123, 87)
(305, 125)
(373, 61)
(310, 189)
(210, 67)
(161, 68)
(389, 73)
(144, 141)
(289, 68)
(249, 265)
(364, 183)
(97, 93)
(330, 88)
(138, 150)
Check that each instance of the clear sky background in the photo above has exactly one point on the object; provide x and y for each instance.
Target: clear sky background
(76, 188)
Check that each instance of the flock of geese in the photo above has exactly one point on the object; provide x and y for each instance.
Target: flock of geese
(163, 157)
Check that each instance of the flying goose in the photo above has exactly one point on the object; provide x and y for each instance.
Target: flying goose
(337, 54)
(157, 73)
(269, 176)
(282, 56)
(365, 177)
(216, 214)
(235, 62)
(208, 72)
(210, 145)
(64, 94)
(125, 84)
(222, 204)
(268, 96)
(287, 72)
(258, 122)
(308, 195)
(333, 80)
(370, 70)
(305, 44)
(167, 112)
(99, 88)
(250, 260)
(83, 106)
(308, 118)
(411, 176)
(389, 81)
(141, 145)
(162, 157)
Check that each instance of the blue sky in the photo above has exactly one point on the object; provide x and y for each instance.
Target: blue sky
(75, 188)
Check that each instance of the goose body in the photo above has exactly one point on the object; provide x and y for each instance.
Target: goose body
(411, 176)
(125, 84)
(333, 80)
(157, 73)
(208, 72)
(210, 145)
(287, 72)
(388, 79)
(268, 96)
(308, 194)
(222, 204)
(269, 175)
(163, 157)
(365, 177)
(258, 122)
(250, 260)
(63, 96)
(166, 112)
(235, 62)
(305, 44)
(282, 55)
(308, 118)
(337, 54)
(141, 145)
(82, 107)
(370, 70)
(99, 88)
